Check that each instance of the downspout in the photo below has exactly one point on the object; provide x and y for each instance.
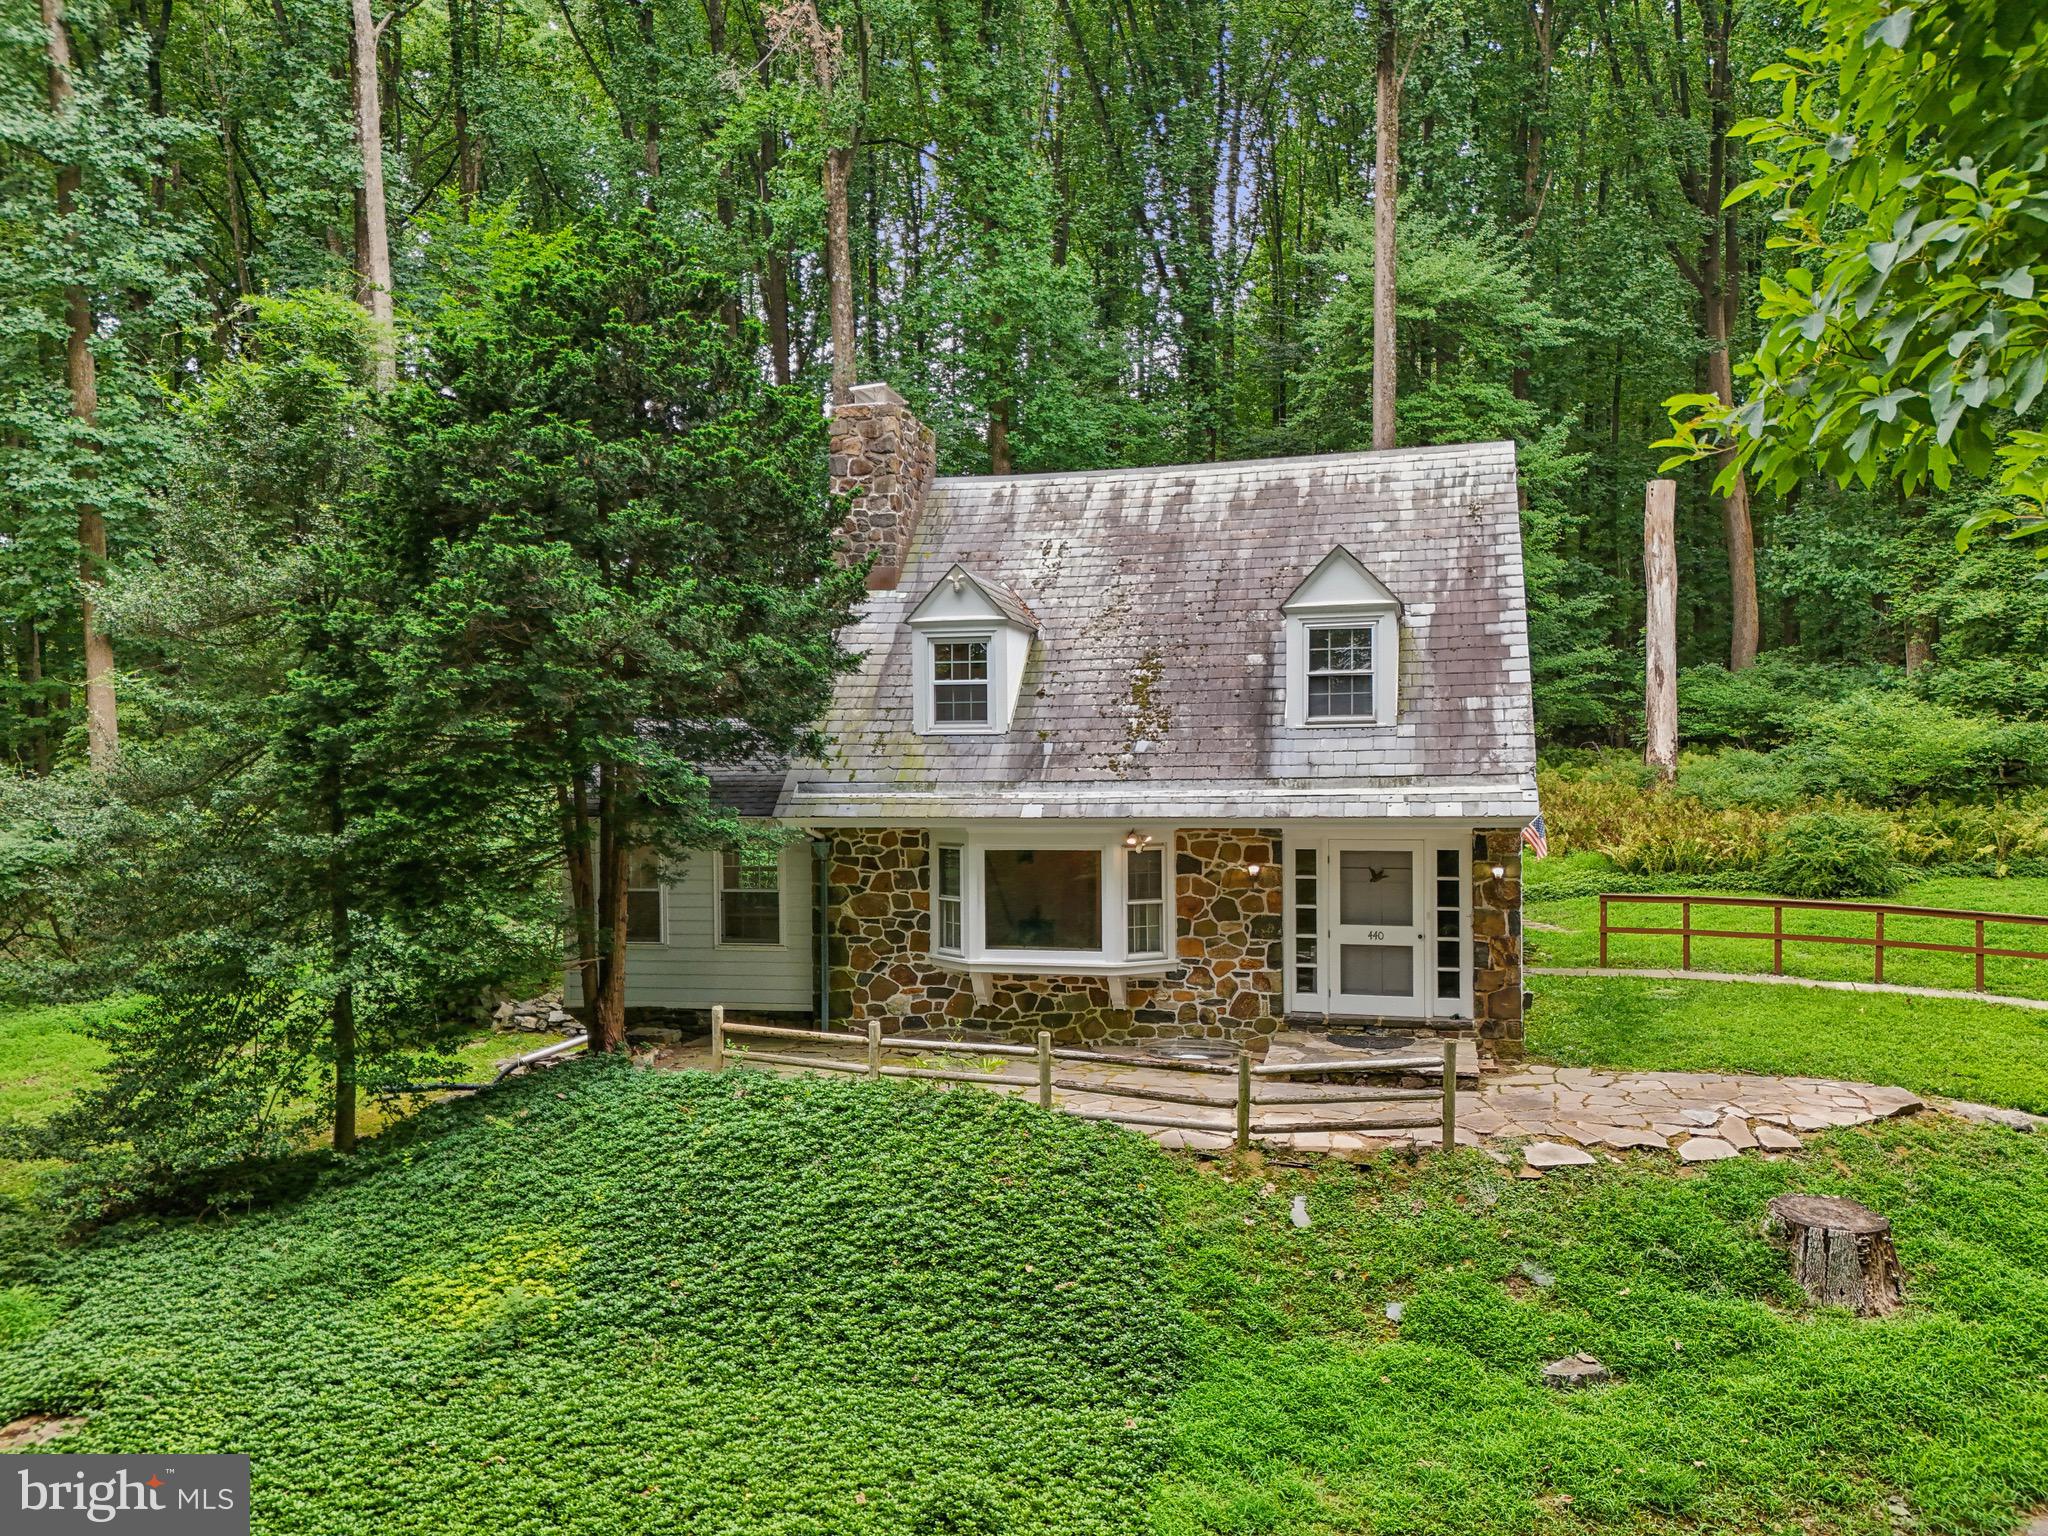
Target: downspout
(821, 856)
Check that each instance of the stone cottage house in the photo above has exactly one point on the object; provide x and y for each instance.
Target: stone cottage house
(1142, 754)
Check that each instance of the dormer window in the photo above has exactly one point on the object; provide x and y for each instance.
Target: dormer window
(1343, 647)
(973, 641)
(1340, 671)
(960, 680)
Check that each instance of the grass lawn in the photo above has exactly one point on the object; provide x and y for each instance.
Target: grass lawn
(1965, 1050)
(1567, 933)
(602, 1300)
(46, 1055)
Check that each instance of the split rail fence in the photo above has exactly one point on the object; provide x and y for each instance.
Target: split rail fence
(1240, 1096)
(1778, 937)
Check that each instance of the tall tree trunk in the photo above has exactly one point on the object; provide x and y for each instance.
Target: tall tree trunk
(1386, 168)
(839, 271)
(373, 248)
(35, 706)
(237, 205)
(458, 93)
(999, 461)
(81, 378)
(608, 1017)
(650, 131)
(342, 1016)
(774, 264)
(577, 836)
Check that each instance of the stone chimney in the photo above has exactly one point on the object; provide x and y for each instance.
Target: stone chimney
(884, 458)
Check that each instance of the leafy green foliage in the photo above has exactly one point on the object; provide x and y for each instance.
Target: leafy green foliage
(1907, 337)
(754, 1305)
(1885, 749)
(1832, 855)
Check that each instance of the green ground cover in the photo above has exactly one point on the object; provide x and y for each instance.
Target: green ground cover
(1567, 933)
(1966, 1050)
(612, 1301)
(604, 1300)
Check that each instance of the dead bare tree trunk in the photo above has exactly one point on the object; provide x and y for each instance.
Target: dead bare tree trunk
(1660, 628)
(373, 253)
(81, 379)
(1841, 1252)
(1385, 175)
(795, 24)
(839, 265)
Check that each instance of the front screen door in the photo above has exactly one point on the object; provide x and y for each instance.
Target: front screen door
(1376, 929)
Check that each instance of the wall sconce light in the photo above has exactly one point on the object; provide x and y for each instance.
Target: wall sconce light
(1500, 871)
(1253, 870)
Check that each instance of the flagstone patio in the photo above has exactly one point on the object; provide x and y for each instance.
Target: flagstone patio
(1526, 1114)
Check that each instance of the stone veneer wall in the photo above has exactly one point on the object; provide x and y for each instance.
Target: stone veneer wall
(1224, 984)
(884, 458)
(1497, 939)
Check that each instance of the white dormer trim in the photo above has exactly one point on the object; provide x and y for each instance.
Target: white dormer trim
(978, 623)
(1341, 594)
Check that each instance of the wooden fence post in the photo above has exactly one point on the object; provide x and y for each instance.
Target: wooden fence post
(1045, 1069)
(1244, 1100)
(1980, 954)
(1777, 941)
(718, 1037)
(1603, 932)
(1879, 946)
(874, 1048)
(1685, 935)
(1660, 628)
(1450, 1093)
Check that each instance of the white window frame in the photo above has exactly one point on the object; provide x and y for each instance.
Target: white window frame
(1385, 673)
(940, 900)
(660, 889)
(1113, 957)
(925, 678)
(1161, 903)
(989, 662)
(718, 895)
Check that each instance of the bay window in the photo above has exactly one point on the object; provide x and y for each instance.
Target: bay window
(1069, 902)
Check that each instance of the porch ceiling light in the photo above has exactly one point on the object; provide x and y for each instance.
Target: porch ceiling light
(1136, 839)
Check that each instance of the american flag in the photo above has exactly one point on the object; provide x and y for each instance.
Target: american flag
(1537, 839)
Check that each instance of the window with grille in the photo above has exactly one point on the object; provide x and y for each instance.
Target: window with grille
(1340, 676)
(1145, 901)
(643, 898)
(1450, 922)
(750, 897)
(960, 681)
(951, 897)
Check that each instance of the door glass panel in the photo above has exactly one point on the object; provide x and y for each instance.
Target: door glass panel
(1376, 970)
(1376, 888)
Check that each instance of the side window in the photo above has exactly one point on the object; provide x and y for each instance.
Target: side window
(750, 897)
(1145, 902)
(643, 898)
(951, 926)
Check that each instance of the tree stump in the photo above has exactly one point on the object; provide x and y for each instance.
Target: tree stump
(1841, 1252)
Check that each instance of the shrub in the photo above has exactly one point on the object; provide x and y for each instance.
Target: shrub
(1741, 778)
(1833, 854)
(1757, 707)
(1888, 749)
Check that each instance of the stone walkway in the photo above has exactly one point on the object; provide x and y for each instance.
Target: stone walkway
(1538, 1117)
